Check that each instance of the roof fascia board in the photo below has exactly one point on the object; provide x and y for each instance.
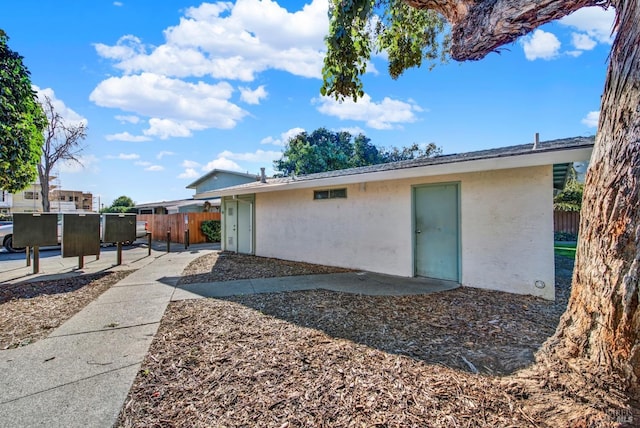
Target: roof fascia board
(218, 171)
(476, 165)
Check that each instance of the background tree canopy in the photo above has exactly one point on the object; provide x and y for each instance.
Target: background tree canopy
(325, 150)
(570, 198)
(122, 204)
(21, 122)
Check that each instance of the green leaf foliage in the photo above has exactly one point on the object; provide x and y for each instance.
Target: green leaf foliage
(22, 122)
(211, 229)
(324, 150)
(122, 204)
(570, 198)
(407, 35)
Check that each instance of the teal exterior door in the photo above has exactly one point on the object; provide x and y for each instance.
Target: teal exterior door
(245, 232)
(436, 227)
(231, 226)
(238, 226)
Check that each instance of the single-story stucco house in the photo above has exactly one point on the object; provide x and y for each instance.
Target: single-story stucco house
(482, 219)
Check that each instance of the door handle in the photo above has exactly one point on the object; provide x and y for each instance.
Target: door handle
(418, 231)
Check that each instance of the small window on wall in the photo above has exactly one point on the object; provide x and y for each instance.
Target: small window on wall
(31, 195)
(330, 194)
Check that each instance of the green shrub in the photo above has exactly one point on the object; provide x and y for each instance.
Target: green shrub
(570, 198)
(211, 229)
(564, 236)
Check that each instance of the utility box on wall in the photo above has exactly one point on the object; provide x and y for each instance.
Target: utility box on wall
(80, 235)
(119, 228)
(35, 229)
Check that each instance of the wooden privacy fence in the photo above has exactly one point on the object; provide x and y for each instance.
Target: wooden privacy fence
(160, 224)
(566, 221)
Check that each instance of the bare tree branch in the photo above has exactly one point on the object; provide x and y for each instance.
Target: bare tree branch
(62, 142)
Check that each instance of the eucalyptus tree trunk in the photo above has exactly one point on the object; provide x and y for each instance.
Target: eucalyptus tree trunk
(598, 336)
(599, 332)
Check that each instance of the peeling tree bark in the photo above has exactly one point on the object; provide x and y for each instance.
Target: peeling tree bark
(598, 336)
(481, 27)
(600, 331)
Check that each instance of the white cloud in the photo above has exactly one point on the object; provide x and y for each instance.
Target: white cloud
(124, 156)
(252, 96)
(128, 119)
(166, 128)
(283, 139)
(595, 22)
(541, 45)
(231, 41)
(117, 3)
(189, 173)
(591, 119)
(164, 153)
(190, 169)
(353, 130)
(70, 117)
(583, 42)
(154, 168)
(232, 161)
(142, 163)
(262, 156)
(176, 107)
(574, 53)
(190, 164)
(125, 136)
(221, 40)
(222, 163)
(387, 114)
(85, 162)
(127, 47)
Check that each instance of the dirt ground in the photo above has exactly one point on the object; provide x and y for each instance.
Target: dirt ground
(323, 358)
(30, 310)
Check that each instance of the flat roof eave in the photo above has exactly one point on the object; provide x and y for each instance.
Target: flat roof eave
(523, 160)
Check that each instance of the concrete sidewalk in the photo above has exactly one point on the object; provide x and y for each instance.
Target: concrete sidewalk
(13, 266)
(368, 283)
(80, 375)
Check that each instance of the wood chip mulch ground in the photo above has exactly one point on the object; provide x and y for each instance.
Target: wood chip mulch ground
(30, 310)
(328, 359)
(223, 266)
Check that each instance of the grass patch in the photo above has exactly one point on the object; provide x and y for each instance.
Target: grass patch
(565, 250)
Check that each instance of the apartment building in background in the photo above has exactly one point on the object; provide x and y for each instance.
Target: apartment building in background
(83, 201)
(60, 200)
(5, 202)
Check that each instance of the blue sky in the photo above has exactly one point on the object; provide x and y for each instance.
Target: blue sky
(172, 89)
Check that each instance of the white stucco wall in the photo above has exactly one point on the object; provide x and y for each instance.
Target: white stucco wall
(506, 228)
(507, 231)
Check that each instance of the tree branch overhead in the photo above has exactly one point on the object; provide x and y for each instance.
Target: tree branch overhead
(481, 27)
